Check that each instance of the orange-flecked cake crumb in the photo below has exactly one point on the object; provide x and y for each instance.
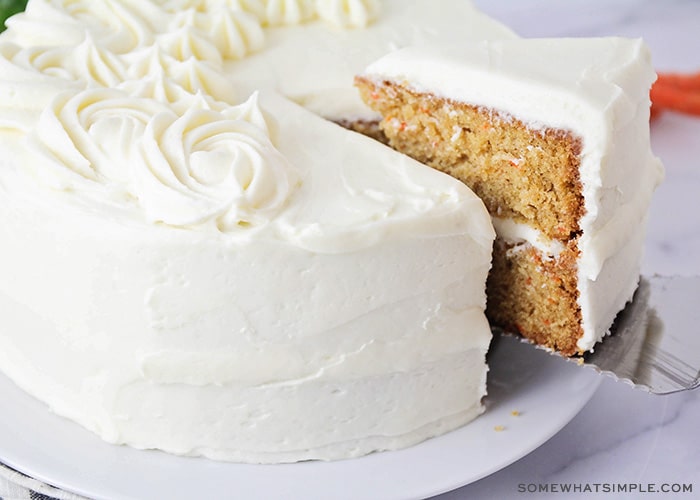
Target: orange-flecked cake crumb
(527, 175)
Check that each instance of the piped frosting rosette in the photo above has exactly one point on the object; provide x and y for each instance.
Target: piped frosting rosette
(127, 103)
(200, 167)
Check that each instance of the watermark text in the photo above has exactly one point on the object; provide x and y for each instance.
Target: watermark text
(633, 488)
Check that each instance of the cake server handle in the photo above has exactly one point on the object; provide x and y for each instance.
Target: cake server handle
(655, 341)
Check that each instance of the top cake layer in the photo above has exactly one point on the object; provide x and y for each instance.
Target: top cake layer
(598, 89)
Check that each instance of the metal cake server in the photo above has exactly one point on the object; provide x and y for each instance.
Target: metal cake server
(655, 341)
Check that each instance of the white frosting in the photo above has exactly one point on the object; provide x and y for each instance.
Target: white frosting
(314, 64)
(518, 232)
(348, 13)
(208, 276)
(88, 62)
(198, 167)
(235, 34)
(311, 337)
(278, 12)
(598, 89)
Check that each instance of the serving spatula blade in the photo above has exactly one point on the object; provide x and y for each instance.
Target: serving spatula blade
(654, 343)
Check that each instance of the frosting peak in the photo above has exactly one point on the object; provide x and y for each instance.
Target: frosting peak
(348, 13)
(234, 33)
(283, 12)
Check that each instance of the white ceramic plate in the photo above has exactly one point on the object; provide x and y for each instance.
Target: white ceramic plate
(546, 391)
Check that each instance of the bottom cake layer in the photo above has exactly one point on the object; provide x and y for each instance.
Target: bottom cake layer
(536, 295)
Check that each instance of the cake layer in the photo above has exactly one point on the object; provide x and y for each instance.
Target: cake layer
(493, 153)
(536, 294)
(553, 134)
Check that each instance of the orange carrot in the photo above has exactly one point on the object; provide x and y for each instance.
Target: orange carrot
(683, 101)
(680, 81)
(677, 92)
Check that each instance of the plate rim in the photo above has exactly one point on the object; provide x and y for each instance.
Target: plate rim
(588, 381)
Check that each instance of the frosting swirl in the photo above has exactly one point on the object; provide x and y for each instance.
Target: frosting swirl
(121, 26)
(128, 103)
(235, 34)
(204, 166)
(45, 24)
(255, 7)
(88, 62)
(169, 79)
(201, 167)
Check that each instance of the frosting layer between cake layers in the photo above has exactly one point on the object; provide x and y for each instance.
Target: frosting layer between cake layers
(596, 89)
(244, 281)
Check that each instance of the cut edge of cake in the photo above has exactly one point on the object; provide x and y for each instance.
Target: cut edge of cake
(560, 155)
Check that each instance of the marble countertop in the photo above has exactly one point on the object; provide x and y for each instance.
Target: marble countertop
(624, 435)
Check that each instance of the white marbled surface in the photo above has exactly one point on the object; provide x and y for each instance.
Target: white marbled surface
(624, 435)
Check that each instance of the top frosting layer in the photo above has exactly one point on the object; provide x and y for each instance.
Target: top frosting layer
(582, 77)
(362, 192)
(315, 66)
(128, 106)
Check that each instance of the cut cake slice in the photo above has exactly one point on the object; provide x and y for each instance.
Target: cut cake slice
(553, 135)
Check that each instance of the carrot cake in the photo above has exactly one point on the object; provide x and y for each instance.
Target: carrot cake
(553, 135)
(196, 259)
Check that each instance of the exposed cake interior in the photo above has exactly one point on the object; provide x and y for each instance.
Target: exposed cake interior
(538, 171)
(492, 153)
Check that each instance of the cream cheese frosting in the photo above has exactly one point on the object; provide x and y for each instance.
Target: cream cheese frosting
(314, 64)
(312, 337)
(582, 93)
(218, 272)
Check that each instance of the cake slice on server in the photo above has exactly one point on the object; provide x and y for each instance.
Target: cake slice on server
(553, 135)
